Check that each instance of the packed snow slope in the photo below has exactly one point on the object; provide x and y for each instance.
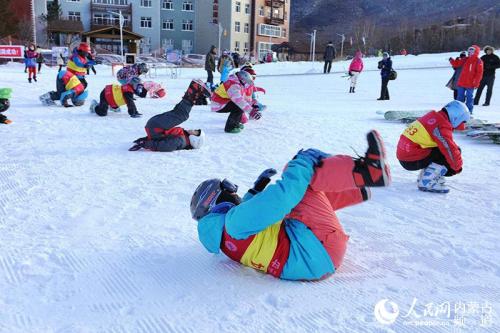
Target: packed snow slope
(94, 238)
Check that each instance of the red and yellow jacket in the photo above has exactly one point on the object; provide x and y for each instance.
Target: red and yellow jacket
(76, 65)
(430, 131)
(71, 82)
(116, 94)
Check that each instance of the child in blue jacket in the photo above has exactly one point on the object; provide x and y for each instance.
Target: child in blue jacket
(290, 229)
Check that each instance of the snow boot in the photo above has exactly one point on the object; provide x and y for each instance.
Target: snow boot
(350, 90)
(34, 78)
(353, 90)
(46, 99)
(432, 179)
(372, 170)
(29, 80)
(197, 93)
(93, 105)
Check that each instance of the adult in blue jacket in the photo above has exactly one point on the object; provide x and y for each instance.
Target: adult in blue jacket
(289, 229)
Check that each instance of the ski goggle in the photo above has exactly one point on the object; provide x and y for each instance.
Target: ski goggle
(471, 50)
(228, 186)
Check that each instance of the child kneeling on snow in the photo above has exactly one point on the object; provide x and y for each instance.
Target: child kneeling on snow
(427, 145)
(162, 131)
(4, 104)
(68, 87)
(114, 96)
(290, 229)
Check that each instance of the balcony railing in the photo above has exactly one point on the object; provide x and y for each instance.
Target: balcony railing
(275, 3)
(103, 23)
(99, 7)
(275, 20)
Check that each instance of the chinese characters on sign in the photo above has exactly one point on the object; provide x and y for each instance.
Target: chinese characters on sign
(11, 51)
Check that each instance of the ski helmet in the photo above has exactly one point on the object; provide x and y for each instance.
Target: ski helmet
(143, 68)
(4, 105)
(79, 100)
(244, 77)
(197, 140)
(250, 70)
(457, 113)
(211, 192)
(84, 47)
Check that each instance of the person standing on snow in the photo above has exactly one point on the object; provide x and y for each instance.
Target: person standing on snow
(210, 65)
(427, 144)
(289, 229)
(355, 68)
(30, 62)
(328, 57)
(163, 133)
(491, 63)
(452, 84)
(39, 60)
(231, 97)
(470, 77)
(385, 66)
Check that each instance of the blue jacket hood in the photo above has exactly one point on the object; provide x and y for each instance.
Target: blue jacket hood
(210, 230)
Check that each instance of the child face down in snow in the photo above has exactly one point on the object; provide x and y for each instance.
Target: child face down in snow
(290, 229)
(163, 131)
(427, 144)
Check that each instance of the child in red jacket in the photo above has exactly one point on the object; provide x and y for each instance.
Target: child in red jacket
(428, 145)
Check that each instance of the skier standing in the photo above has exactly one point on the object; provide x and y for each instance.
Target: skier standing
(491, 63)
(385, 66)
(163, 133)
(355, 68)
(427, 144)
(289, 229)
(328, 57)
(470, 77)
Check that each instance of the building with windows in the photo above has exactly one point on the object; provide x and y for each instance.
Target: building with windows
(178, 25)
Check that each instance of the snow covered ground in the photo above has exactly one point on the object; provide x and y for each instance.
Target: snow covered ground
(94, 238)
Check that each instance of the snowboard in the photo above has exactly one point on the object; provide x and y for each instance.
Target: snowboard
(404, 116)
(479, 124)
(5, 93)
(493, 135)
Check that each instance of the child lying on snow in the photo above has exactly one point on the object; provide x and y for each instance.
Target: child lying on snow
(290, 229)
(162, 131)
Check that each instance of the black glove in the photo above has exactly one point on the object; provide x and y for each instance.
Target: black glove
(262, 181)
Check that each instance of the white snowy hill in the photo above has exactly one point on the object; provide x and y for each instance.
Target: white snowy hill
(94, 238)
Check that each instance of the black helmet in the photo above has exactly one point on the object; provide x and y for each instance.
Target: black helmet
(211, 192)
(4, 105)
(143, 68)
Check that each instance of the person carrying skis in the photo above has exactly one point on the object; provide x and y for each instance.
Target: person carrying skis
(289, 229)
(470, 77)
(114, 95)
(385, 66)
(68, 87)
(163, 131)
(328, 57)
(4, 104)
(78, 62)
(230, 97)
(355, 68)
(30, 62)
(427, 144)
(127, 73)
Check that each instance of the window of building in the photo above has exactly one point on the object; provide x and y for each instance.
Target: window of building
(146, 3)
(106, 2)
(167, 5)
(187, 6)
(269, 30)
(261, 11)
(246, 29)
(187, 25)
(237, 46)
(146, 22)
(238, 6)
(168, 44)
(168, 24)
(245, 49)
(237, 26)
(74, 16)
(187, 45)
(247, 8)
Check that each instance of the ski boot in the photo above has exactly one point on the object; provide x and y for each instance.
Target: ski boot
(372, 170)
(46, 99)
(431, 179)
(197, 93)
(93, 105)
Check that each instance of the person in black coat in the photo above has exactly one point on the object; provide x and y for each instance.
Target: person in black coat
(490, 62)
(210, 65)
(328, 56)
(385, 66)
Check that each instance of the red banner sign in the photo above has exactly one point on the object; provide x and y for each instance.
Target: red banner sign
(11, 51)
